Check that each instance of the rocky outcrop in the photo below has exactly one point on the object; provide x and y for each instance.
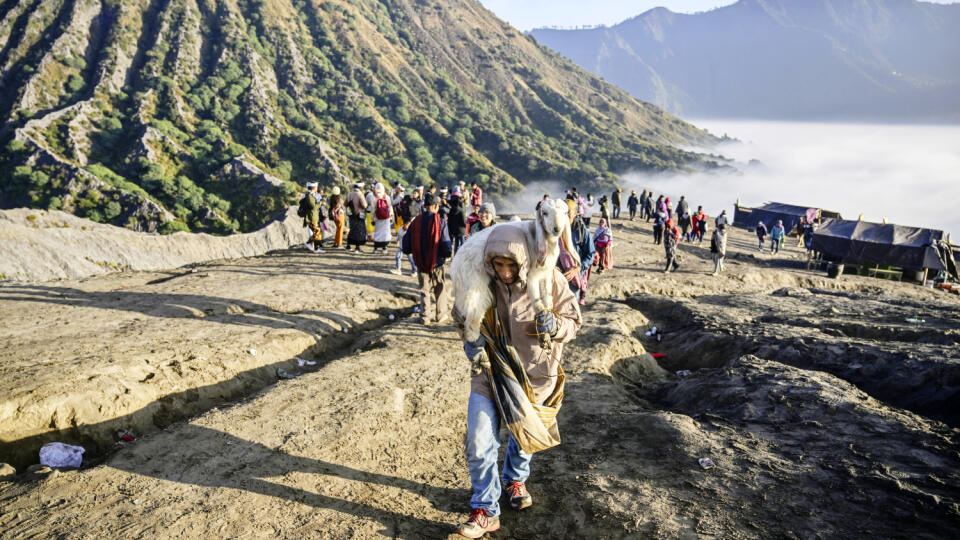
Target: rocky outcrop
(40, 246)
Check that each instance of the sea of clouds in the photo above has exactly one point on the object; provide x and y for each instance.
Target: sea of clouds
(908, 174)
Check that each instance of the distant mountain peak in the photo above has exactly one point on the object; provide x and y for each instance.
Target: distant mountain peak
(803, 59)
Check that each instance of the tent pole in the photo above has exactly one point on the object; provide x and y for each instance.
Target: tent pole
(925, 270)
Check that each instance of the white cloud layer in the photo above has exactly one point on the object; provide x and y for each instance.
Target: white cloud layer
(909, 174)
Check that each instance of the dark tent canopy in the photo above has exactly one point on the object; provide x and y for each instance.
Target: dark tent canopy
(911, 248)
(770, 213)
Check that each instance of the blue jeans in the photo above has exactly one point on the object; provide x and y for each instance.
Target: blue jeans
(483, 426)
(413, 267)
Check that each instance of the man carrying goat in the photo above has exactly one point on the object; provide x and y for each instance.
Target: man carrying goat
(514, 378)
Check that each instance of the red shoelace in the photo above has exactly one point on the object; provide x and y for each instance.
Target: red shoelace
(516, 489)
(479, 517)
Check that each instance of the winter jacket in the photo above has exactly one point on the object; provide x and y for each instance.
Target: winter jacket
(441, 250)
(518, 314)
(777, 232)
(633, 202)
(456, 219)
(761, 231)
(312, 208)
(615, 198)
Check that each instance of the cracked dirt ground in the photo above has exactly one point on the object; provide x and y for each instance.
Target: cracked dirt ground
(827, 414)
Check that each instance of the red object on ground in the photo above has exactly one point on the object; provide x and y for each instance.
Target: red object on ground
(657, 355)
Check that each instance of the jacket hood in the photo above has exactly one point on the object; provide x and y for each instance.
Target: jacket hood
(509, 242)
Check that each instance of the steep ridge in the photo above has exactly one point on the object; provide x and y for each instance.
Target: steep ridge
(797, 59)
(166, 115)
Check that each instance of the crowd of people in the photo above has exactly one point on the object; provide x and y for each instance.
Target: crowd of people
(370, 215)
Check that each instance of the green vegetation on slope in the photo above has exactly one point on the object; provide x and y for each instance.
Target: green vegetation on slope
(205, 115)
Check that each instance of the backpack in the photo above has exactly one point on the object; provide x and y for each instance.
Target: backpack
(404, 208)
(383, 208)
(302, 209)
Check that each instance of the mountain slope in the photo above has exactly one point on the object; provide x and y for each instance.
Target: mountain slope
(801, 59)
(203, 114)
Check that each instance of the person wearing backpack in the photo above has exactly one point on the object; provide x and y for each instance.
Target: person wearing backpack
(309, 210)
(383, 219)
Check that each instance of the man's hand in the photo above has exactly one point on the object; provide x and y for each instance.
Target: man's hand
(546, 323)
(476, 354)
(571, 273)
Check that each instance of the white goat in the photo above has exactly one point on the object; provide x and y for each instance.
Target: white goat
(471, 282)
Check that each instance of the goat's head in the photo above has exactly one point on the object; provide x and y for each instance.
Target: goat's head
(551, 223)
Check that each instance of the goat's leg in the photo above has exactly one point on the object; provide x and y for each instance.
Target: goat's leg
(540, 290)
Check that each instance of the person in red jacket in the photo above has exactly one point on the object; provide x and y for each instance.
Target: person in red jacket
(699, 222)
(476, 197)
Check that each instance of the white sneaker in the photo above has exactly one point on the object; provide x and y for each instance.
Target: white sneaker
(396, 272)
(319, 251)
(308, 245)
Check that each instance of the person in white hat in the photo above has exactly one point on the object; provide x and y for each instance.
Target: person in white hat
(337, 215)
(309, 210)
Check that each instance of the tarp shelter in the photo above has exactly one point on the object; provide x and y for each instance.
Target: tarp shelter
(770, 213)
(911, 248)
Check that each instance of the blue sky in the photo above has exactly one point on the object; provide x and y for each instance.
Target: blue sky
(528, 14)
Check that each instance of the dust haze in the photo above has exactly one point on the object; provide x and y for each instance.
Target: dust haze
(909, 174)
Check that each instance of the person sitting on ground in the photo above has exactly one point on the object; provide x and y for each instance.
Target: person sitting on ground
(718, 248)
(603, 240)
(428, 240)
(310, 210)
(761, 234)
(777, 233)
(486, 217)
(671, 237)
(532, 377)
(632, 203)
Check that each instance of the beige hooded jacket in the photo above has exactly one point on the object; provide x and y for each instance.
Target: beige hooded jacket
(518, 314)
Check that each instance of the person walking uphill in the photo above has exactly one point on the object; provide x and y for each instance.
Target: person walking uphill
(671, 237)
(632, 203)
(615, 199)
(603, 240)
(578, 276)
(761, 234)
(428, 240)
(777, 233)
(516, 383)
(718, 248)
